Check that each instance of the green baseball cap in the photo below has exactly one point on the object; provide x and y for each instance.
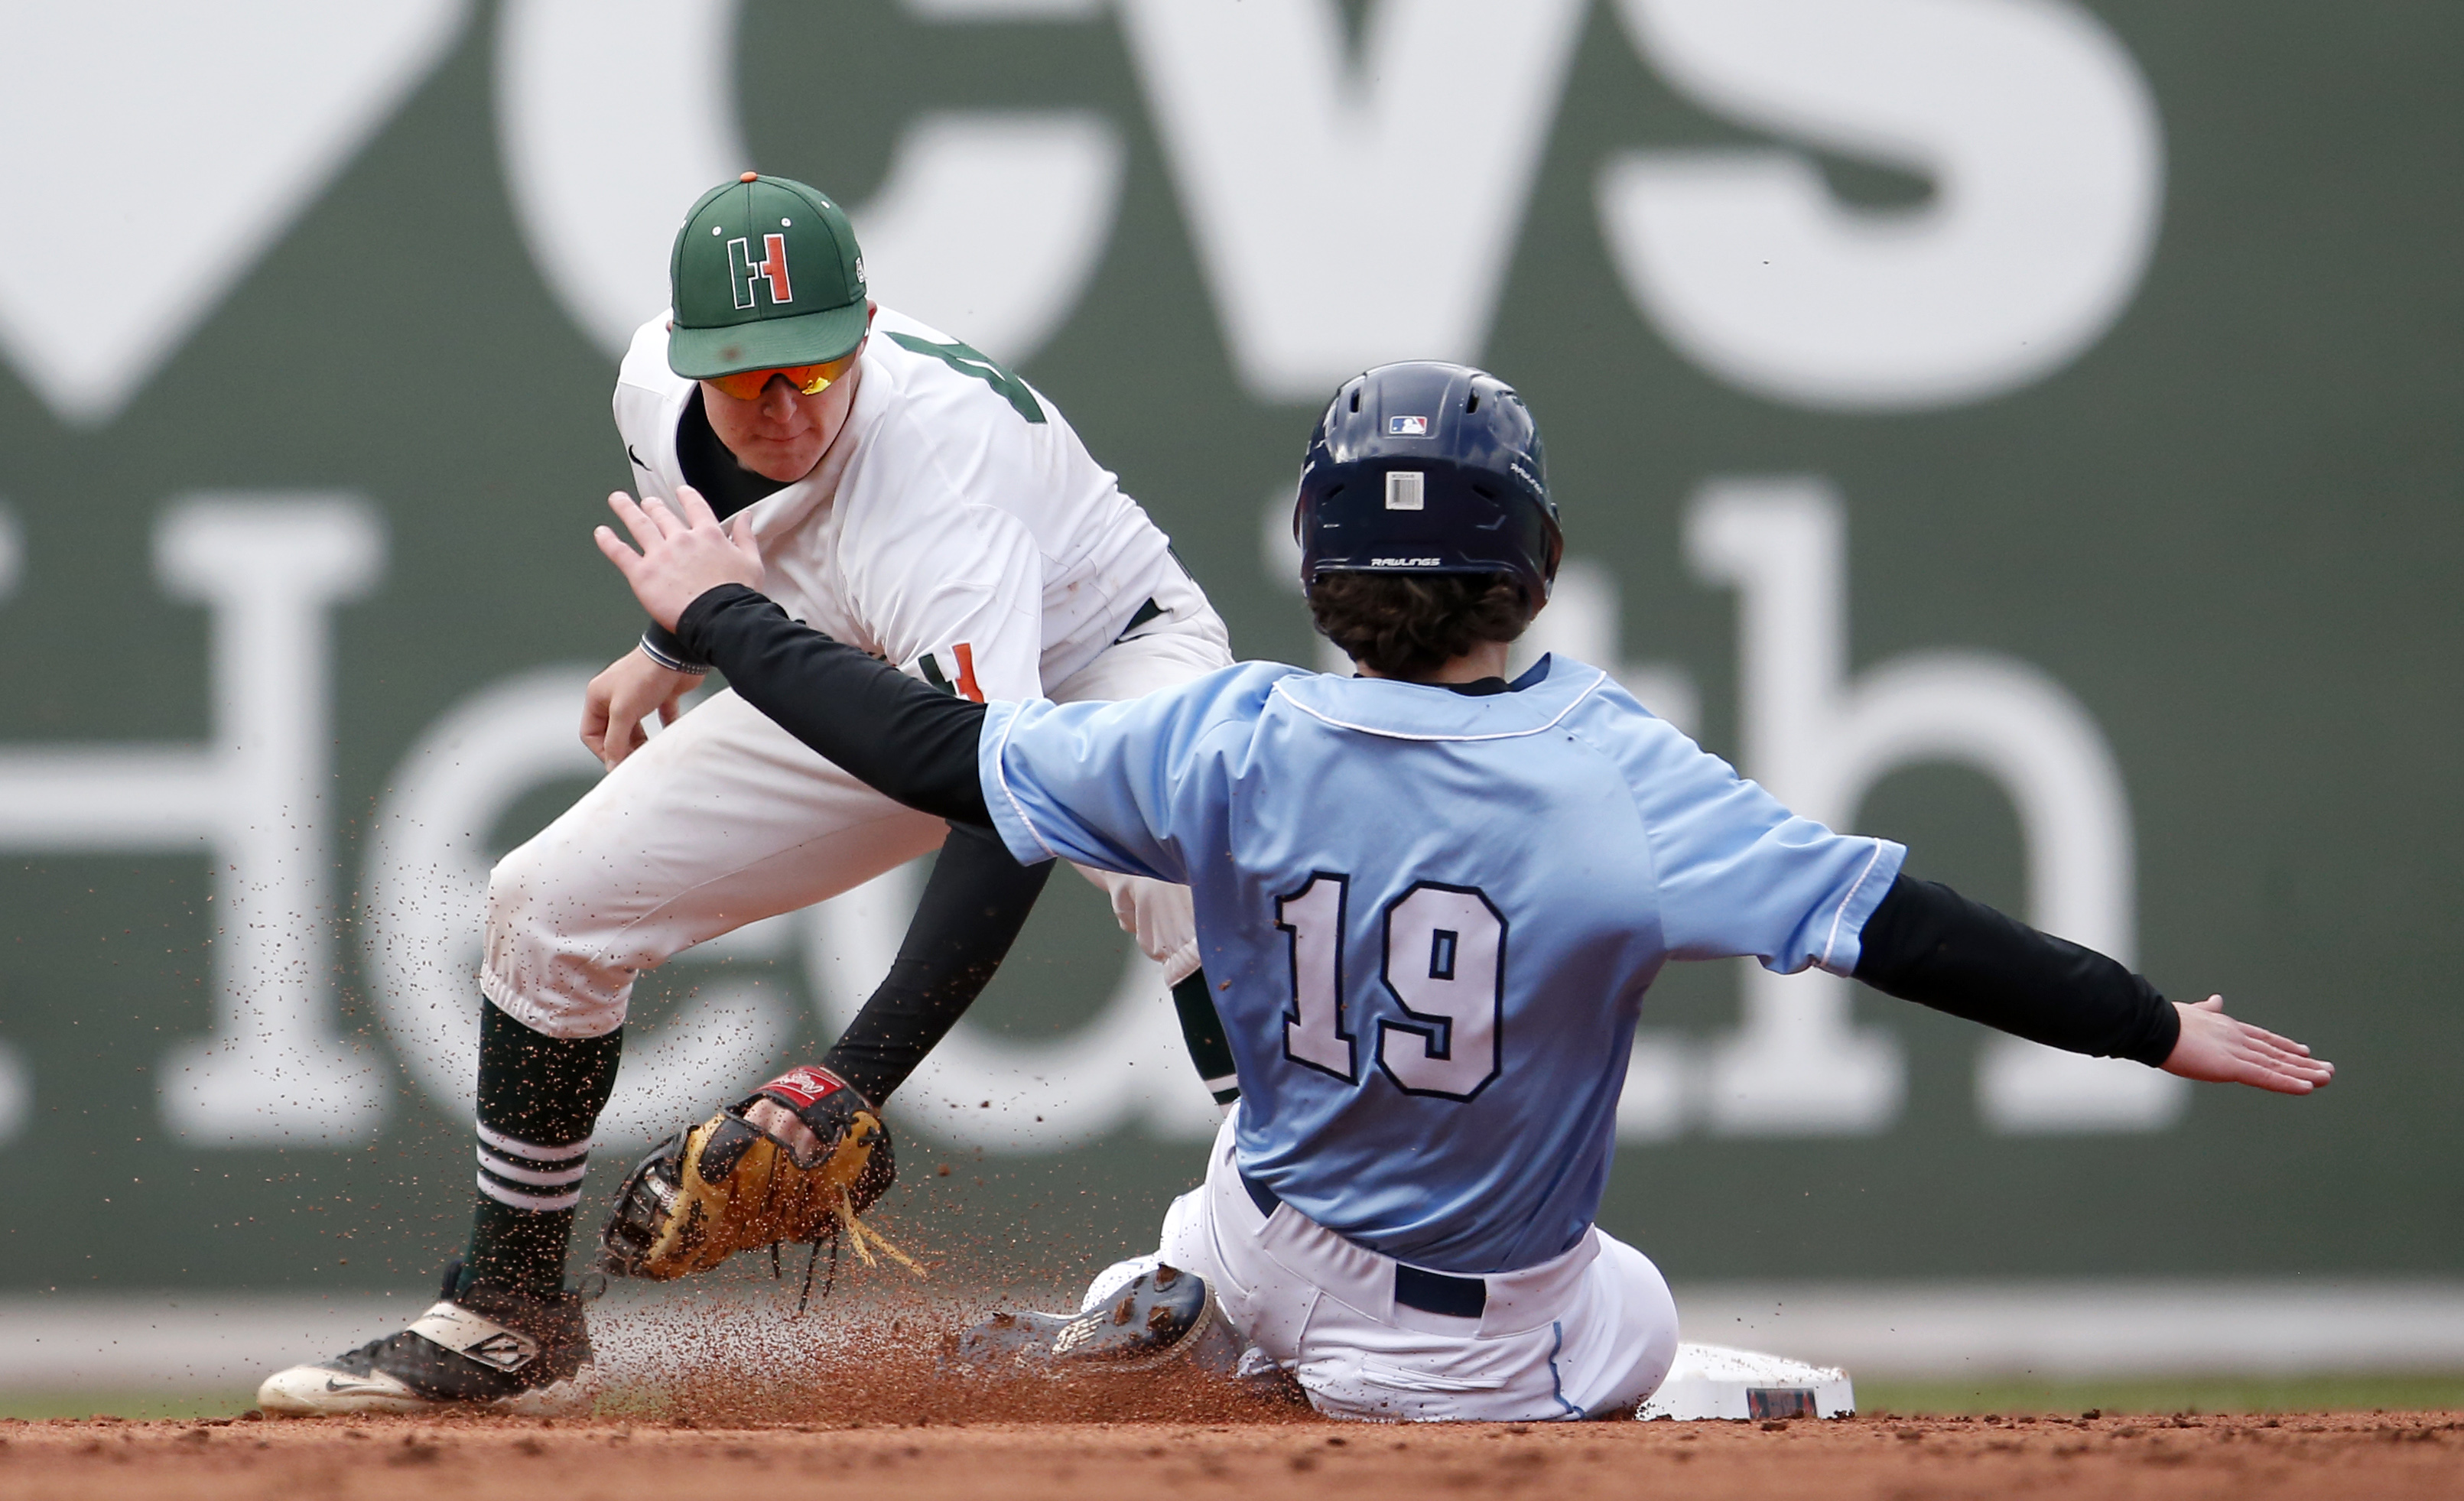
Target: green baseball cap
(765, 272)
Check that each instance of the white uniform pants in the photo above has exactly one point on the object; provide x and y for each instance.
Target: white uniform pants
(724, 819)
(1588, 1333)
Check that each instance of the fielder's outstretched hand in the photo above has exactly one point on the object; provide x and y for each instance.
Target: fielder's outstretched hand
(2217, 1049)
(682, 558)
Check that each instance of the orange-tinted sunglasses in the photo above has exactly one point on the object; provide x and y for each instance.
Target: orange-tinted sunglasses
(810, 380)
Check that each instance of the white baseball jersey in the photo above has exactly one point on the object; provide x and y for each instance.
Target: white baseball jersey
(956, 527)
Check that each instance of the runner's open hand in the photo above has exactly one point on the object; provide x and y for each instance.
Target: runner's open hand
(2218, 1050)
(682, 558)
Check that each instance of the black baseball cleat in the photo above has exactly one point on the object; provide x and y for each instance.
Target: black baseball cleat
(1165, 1316)
(480, 1348)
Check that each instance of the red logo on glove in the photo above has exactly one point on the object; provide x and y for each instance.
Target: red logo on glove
(805, 1085)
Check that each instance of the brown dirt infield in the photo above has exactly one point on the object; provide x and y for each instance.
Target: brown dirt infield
(2378, 1455)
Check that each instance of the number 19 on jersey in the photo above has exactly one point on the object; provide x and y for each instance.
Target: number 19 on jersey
(1443, 964)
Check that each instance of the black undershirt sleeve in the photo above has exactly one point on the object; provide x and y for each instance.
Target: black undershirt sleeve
(909, 740)
(915, 743)
(1924, 944)
(972, 907)
(1930, 945)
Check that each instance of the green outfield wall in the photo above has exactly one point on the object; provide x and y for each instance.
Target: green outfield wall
(2026, 428)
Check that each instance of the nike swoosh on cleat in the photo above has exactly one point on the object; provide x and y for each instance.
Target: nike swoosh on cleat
(333, 1386)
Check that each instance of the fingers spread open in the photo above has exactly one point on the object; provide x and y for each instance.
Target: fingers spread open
(625, 558)
(666, 521)
(637, 521)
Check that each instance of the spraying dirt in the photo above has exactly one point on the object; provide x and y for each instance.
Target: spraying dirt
(727, 1391)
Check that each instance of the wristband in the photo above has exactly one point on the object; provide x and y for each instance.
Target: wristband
(662, 646)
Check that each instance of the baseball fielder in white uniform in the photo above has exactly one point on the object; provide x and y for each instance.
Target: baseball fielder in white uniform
(908, 495)
(942, 532)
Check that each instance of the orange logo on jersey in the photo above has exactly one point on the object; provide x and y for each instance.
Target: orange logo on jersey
(771, 268)
(964, 655)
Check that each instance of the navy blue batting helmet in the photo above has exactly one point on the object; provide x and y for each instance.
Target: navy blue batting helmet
(1426, 467)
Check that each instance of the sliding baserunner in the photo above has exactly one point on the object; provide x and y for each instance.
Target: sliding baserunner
(1433, 900)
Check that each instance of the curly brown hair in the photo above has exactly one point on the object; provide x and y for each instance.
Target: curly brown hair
(1408, 625)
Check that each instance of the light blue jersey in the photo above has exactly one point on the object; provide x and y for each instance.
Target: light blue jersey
(1431, 918)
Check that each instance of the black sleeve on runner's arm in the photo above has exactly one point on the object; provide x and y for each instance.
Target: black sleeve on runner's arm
(972, 907)
(910, 741)
(1930, 945)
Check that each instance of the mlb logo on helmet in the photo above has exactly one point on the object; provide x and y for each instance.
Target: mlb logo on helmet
(1426, 466)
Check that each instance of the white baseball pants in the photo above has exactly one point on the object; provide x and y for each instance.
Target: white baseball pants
(724, 819)
(1587, 1334)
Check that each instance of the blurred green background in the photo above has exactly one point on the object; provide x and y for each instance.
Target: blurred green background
(2226, 525)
